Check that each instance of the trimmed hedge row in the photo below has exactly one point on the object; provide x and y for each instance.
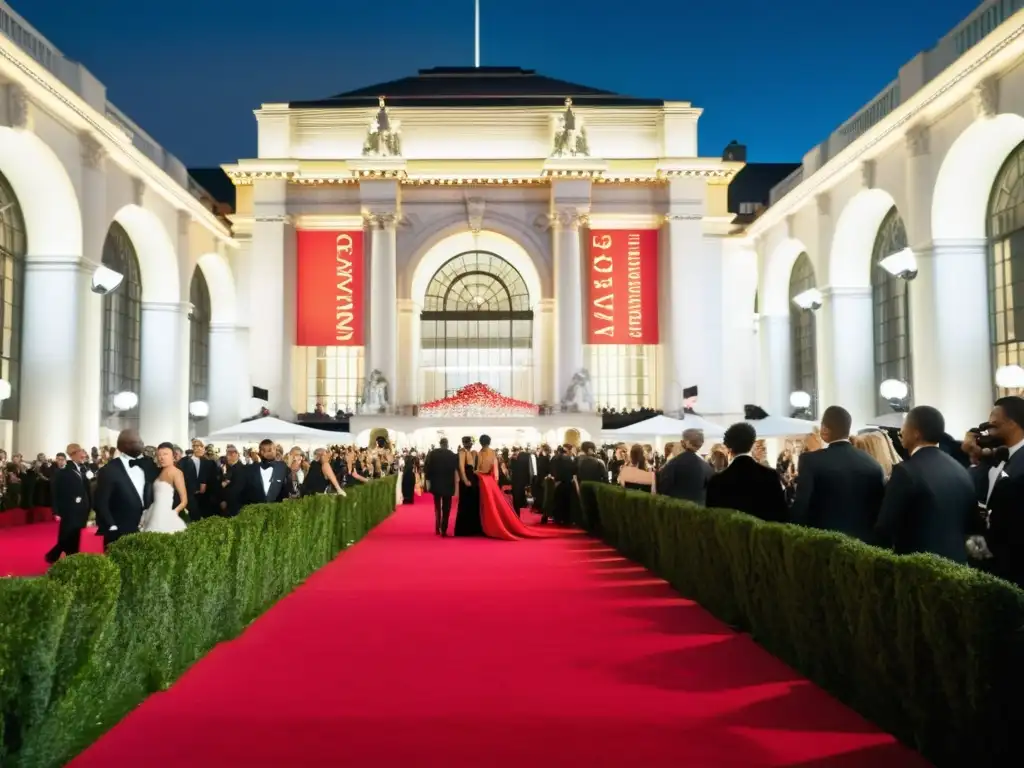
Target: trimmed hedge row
(86, 643)
(928, 650)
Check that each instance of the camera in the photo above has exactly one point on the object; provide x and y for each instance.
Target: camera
(984, 438)
(382, 442)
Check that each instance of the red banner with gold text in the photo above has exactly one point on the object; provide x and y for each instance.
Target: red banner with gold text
(622, 302)
(330, 293)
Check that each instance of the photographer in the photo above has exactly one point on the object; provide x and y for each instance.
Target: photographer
(1000, 445)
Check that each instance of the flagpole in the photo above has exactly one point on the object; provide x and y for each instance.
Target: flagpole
(477, 34)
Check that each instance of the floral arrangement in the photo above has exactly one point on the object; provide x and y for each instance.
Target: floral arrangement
(478, 400)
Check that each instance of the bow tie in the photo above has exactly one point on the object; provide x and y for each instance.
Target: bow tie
(266, 464)
(134, 462)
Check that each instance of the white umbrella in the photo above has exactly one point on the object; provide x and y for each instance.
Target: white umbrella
(781, 426)
(269, 428)
(666, 426)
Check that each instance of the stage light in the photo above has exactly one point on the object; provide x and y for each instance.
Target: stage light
(199, 409)
(809, 300)
(125, 401)
(894, 389)
(800, 400)
(1010, 377)
(902, 264)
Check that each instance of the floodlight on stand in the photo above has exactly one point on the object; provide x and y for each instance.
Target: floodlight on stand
(809, 300)
(105, 280)
(125, 401)
(902, 264)
(199, 409)
(1010, 377)
(800, 400)
(894, 389)
(5, 389)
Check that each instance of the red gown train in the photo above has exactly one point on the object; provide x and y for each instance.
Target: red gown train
(498, 519)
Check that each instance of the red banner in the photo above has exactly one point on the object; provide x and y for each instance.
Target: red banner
(622, 305)
(330, 289)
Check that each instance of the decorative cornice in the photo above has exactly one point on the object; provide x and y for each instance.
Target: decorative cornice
(918, 140)
(867, 174)
(18, 112)
(329, 222)
(381, 221)
(986, 97)
(93, 153)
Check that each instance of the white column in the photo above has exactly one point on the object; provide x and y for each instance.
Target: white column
(383, 291)
(224, 367)
(776, 362)
(569, 338)
(544, 352)
(408, 382)
(949, 332)
(52, 341)
(95, 225)
(240, 382)
(846, 352)
(739, 353)
(163, 401)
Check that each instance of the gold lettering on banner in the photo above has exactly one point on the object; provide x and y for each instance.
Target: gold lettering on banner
(634, 288)
(344, 307)
(604, 303)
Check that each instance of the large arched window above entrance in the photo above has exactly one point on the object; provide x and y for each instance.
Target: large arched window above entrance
(803, 332)
(199, 338)
(1006, 262)
(12, 262)
(122, 327)
(891, 316)
(477, 326)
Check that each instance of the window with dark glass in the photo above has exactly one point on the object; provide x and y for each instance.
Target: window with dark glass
(804, 371)
(122, 326)
(199, 339)
(891, 314)
(12, 261)
(1006, 263)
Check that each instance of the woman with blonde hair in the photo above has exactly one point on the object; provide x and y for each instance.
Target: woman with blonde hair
(879, 446)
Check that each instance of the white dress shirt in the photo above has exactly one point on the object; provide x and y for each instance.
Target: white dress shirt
(996, 471)
(267, 474)
(136, 475)
(195, 463)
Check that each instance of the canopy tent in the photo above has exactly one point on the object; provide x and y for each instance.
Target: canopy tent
(892, 419)
(781, 426)
(278, 430)
(666, 426)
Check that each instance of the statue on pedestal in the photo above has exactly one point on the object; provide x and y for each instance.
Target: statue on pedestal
(375, 393)
(578, 395)
(384, 138)
(571, 136)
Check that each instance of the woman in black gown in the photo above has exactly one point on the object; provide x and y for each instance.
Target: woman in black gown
(410, 472)
(467, 520)
(321, 477)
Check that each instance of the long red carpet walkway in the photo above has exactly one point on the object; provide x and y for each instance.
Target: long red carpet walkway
(411, 650)
(22, 547)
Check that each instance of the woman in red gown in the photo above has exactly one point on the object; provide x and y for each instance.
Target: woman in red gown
(498, 519)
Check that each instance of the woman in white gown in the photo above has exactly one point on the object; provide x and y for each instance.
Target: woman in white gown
(163, 516)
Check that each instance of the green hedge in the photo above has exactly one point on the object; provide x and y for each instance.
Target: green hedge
(927, 649)
(84, 644)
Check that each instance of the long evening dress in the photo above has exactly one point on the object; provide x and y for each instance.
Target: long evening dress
(467, 520)
(497, 518)
(409, 480)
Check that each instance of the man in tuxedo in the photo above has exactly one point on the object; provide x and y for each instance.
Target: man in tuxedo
(441, 470)
(745, 485)
(930, 504)
(563, 470)
(524, 469)
(839, 488)
(1005, 493)
(686, 475)
(124, 488)
(543, 463)
(200, 481)
(232, 483)
(269, 481)
(69, 491)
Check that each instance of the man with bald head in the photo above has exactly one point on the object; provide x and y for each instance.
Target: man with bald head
(124, 488)
(685, 476)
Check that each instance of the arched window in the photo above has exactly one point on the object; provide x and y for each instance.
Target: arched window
(199, 339)
(477, 326)
(802, 333)
(12, 262)
(891, 314)
(1006, 262)
(122, 327)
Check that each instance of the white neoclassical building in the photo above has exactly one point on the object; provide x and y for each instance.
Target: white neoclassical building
(87, 196)
(902, 237)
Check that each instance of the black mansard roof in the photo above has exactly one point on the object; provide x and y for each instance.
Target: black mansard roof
(478, 87)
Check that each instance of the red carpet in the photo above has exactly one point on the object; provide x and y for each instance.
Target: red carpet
(22, 547)
(411, 650)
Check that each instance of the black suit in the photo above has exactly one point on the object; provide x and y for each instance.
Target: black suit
(1005, 534)
(748, 487)
(201, 504)
(69, 491)
(685, 476)
(117, 499)
(930, 505)
(232, 489)
(439, 469)
(543, 470)
(839, 489)
(277, 490)
(522, 478)
(563, 469)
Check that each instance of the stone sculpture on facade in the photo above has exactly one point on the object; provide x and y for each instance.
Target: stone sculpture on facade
(571, 136)
(375, 393)
(384, 138)
(579, 396)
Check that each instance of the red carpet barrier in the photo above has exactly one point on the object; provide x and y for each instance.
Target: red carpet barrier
(927, 649)
(82, 646)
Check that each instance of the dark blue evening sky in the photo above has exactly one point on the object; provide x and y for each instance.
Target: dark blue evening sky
(778, 76)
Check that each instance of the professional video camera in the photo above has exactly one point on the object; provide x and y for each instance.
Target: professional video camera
(984, 438)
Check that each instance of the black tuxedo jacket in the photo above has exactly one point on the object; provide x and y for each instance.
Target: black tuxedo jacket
(1005, 534)
(930, 505)
(117, 501)
(685, 476)
(522, 469)
(748, 487)
(440, 468)
(71, 495)
(279, 489)
(206, 475)
(231, 484)
(839, 489)
(591, 469)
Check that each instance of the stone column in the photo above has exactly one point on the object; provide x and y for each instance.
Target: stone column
(52, 342)
(383, 292)
(846, 351)
(95, 225)
(224, 368)
(569, 337)
(163, 401)
(408, 385)
(543, 352)
(776, 362)
(949, 332)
